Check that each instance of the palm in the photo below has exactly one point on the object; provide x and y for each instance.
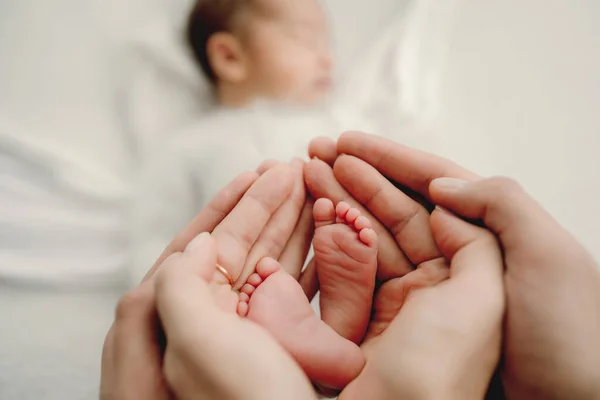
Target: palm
(417, 315)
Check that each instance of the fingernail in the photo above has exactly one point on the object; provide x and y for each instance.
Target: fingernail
(448, 184)
(297, 161)
(444, 210)
(198, 242)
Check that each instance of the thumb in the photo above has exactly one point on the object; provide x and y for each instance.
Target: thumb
(182, 294)
(473, 252)
(191, 321)
(474, 294)
(505, 208)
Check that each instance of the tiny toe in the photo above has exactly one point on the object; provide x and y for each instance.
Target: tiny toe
(244, 298)
(254, 280)
(323, 212)
(242, 309)
(368, 237)
(248, 289)
(266, 267)
(352, 215)
(362, 222)
(342, 209)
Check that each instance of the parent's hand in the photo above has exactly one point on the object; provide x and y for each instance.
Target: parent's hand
(268, 217)
(444, 342)
(427, 336)
(552, 329)
(211, 352)
(131, 361)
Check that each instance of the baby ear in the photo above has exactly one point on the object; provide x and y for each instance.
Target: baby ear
(226, 57)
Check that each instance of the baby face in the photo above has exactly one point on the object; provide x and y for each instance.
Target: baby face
(289, 51)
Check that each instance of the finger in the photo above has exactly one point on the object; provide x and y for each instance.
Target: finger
(267, 165)
(409, 167)
(240, 229)
(322, 183)
(192, 259)
(407, 220)
(503, 206)
(476, 263)
(209, 217)
(199, 335)
(189, 315)
(296, 250)
(135, 340)
(280, 226)
(476, 281)
(392, 295)
(193, 269)
(324, 149)
(309, 280)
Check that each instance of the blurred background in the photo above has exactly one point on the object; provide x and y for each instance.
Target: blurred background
(90, 89)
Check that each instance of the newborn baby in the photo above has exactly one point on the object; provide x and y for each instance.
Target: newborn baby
(264, 58)
(346, 263)
(269, 49)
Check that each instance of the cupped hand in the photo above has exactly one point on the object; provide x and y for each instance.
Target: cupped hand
(131, 360)
(444, 340)
(552, 283)
(211, 352)
(418, 314)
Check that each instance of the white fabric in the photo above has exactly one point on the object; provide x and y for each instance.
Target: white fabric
(202, 159)
(166, 91)
(65, 161)
(87, 89)
(503, 87)
(51, 343)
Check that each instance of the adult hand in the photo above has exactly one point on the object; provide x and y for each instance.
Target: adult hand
(552, 328)
(267, 218)
(131, 361)
(444, 342)
(211, 352)
(444, 330)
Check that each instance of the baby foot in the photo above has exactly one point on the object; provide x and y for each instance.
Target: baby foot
(346, 261)
(275, 300)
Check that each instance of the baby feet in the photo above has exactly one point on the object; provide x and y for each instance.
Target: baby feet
(346, 262)
(275, 300)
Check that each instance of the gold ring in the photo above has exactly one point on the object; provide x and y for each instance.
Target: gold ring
(225, 273)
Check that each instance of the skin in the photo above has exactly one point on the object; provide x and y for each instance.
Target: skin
(177, 293)
(198, 331)
(132, 353)
(455, 360)
(412, 264)
(444, 340)
(280, 51)
(552, 328)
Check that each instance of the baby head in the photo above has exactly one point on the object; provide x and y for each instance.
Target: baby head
(271, 49)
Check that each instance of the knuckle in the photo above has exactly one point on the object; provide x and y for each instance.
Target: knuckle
(131, 304)
(280, 238)
(412, 213)
(504, 185)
